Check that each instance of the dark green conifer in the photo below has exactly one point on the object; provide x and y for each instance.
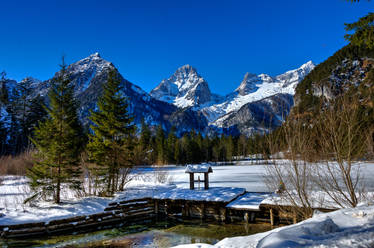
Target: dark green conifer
(160, 145)
(363, 31)
(171, 144)
(58, 140)
(113, 129)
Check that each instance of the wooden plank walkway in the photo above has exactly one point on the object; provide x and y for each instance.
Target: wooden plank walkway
(220, 204)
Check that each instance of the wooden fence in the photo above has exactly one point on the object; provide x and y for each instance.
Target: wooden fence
(115, 215)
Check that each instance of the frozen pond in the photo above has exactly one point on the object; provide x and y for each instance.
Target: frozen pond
(250, 177)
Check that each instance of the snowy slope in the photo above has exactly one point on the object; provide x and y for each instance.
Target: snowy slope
(254, 88)
(88, 76)
(185, 88)
(349, 227)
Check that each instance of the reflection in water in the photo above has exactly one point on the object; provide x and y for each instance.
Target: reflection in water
(159, 234)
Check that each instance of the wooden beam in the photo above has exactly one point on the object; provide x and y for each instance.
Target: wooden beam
(295, 217)
(192, 183)
(271, 216)
(206, 180)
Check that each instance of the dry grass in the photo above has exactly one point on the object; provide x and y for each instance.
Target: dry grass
(16, 165)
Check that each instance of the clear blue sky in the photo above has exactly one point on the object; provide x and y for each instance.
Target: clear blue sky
(149, 40)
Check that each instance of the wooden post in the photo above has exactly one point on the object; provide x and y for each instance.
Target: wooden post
(186, 210)
(202, 211)
(271, 216)
(156, 206)
(246, 217)
(223, 214)
(192, 183)
(206, 180)
(253, 217)
(294, 217)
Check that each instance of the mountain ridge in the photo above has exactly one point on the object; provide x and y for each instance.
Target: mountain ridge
(183, 100)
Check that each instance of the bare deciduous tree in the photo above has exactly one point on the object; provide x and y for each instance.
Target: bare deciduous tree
(295, 173)
(343, 137)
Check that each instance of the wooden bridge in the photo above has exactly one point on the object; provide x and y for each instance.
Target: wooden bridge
(236, 207)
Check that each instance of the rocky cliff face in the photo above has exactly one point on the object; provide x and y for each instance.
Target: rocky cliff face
(350, 69)
(254, 88)
(259, 116)
(185, 88)
(239, 110)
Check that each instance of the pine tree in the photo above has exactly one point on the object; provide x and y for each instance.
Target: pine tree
(58, 140)
(145, 136)
(13, 109)
(363, 31)
(4, 94)
(160, 145)
(229, 148)
(171, 143)
(112, 128)
(3, 134)
(207, 149)
(178, 152)
(193, 149)
(3, 102)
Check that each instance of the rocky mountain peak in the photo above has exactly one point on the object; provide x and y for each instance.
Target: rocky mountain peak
(96, 55)
(248, 84)
(185, 77)
(308, 66)
(293, 77)
(93, 63)
(184, 88)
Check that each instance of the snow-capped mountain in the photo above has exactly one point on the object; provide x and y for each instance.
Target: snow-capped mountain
(89, 74)
(184, 100)
(185, 88)
(258, 116)
(254, 88)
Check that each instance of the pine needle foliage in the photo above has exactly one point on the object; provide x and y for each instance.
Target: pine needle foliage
(363, 31)
(59, 141)
(109, 144)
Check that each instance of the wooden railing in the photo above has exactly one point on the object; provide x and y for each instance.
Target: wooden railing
(116, 214)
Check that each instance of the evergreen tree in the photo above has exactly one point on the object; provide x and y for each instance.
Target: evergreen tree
(58, 140)
(36, 114)
(207, 149)
(145, 136)
(171, 144)
(112, 129)
(142, 150)
(4, 94)
(242, 146)
(160, 145)
(3, 102)
(193, 150)
(178, 152)
(363, 31)
(3, 133)
(14, 128)
(229, 148)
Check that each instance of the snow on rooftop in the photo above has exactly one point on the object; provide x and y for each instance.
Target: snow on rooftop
(250, 201)
(198, 168)
(216, 194)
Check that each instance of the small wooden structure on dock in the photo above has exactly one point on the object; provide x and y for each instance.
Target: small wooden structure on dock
(199, 168)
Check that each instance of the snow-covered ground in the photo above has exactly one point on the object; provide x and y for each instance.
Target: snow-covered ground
(351, 227)
(226, 182)
(342, 228)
